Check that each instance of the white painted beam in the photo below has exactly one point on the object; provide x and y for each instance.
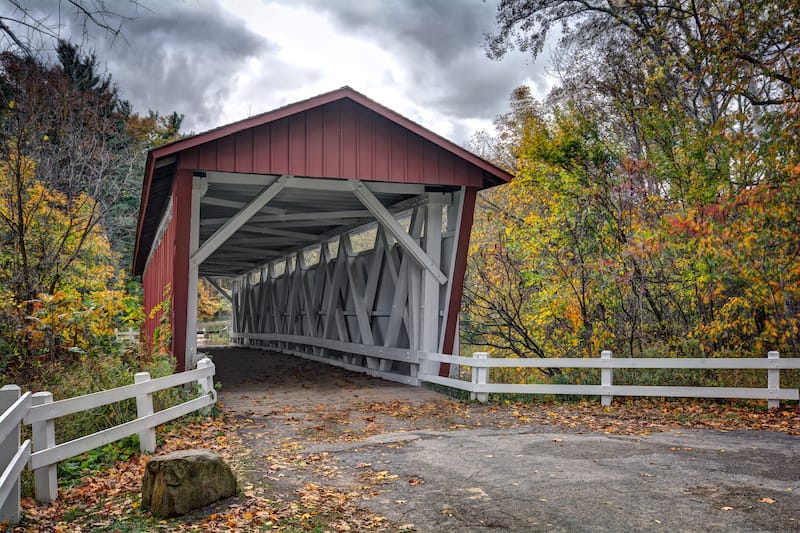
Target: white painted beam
(233, 204)
(316, 216)
(429, 327)
(320, 184)
(233, 178)
(238, 248)
(317, 184)
(239, 219)
(199, 188)
(249, 228)
(391, 225)
(455, 210)
(327, 184)
(261, 241)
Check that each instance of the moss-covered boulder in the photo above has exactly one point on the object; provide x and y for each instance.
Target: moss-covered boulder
(178, 482)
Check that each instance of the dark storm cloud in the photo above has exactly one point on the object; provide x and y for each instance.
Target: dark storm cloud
(441, 43)
(180, 56)
(184, 58)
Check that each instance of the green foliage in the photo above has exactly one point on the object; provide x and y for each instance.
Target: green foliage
(71, 156)
(71, 472)
(654, 210)
(162, 334)
(95, 373)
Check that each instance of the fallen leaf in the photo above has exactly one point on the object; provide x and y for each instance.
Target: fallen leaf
(767, 500)
(726, 508)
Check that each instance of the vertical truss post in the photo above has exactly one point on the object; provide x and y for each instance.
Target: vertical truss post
(429, 327)
(199, 187)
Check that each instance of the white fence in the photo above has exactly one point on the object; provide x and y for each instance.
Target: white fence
(13, 457)
(480, 388)
(40, 411)
(128, 336)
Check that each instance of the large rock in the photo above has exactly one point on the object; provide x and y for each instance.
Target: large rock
(178, 482)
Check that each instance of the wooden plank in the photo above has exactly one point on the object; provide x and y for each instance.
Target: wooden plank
(627, 390)
(455, 211)
(398, 304)
(233, 204)
(69, 406)
(11, 417)
(64, 451)
(332, 294)
(306, 308)
(374, 271)
(273, 300)
(294, 235)
(674, 362)
(306, 217)
(292, 298)
(429, 326)
(393, 227)
(10, 475)
(357, 293)
(234, 178)
(263, 301)
(231, 226)
(705, 392)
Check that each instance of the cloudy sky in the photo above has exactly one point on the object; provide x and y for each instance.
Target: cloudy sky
(219, 61)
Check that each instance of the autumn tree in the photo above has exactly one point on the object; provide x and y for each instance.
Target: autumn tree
(655, 200)
(70, 148)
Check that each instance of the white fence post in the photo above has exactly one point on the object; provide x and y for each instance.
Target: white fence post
(45, 479)
(144, 407)
(773, 380)
(480, 376)
(606, 378)
(206, 384)
(9, 510)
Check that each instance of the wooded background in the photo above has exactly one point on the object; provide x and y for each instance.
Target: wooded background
(654, 210)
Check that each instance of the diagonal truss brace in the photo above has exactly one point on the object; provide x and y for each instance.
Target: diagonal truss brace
(393, 227)
(239, 219)
(225, 294)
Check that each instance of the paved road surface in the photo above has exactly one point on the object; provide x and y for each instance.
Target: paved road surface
(536, 478)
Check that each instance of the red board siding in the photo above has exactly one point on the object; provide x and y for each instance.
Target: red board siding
(167, 272)
(155, 280)
(244, 151)
(279, 146)
(315, 137)
(341, 139)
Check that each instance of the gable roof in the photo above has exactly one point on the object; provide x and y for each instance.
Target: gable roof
(371, 142)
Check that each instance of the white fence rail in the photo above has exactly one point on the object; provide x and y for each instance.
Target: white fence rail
(480, 387)
(13, 456)
(40, 412)
(128, 336)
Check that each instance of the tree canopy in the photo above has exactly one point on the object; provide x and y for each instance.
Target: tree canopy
(71, 154)
(655, 205)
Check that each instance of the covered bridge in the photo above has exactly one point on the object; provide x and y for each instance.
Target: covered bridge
(342, 226)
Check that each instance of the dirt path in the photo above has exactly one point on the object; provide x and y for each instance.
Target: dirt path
(427, 463)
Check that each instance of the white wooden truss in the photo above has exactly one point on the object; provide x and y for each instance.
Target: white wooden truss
(349, 273)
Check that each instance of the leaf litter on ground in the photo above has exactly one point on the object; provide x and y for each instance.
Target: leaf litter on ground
(284, 487)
